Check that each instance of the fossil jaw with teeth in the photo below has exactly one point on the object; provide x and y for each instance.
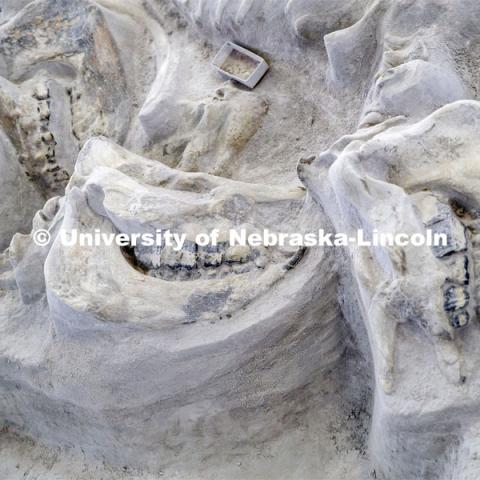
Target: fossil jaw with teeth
(457, 289)
(194, 349)
(113, 190)
(195, 330)
(193, 262)
(377, 180)
(62, 85)
(419, 302)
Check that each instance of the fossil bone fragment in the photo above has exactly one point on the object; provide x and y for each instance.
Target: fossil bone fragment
(379, 184)
(135, 310)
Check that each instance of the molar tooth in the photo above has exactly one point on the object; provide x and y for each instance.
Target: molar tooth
(456, 298)
(260, 257)
(40, 157)
(170, 257)
(188, 255)
(455, 233)
(211, 255)
(149, 257)
(43, 110)
(460, 319)
(41, 92)
(47, 137)
(51, 150)
(458, 269)
(238, 254)
(184, 258)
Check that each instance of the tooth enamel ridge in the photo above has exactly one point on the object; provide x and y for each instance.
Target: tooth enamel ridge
(457, 289)
(194, 262)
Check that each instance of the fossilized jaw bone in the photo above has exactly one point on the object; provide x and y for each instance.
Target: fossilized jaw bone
(65, 81)
(25, 117)
(125, 355)
(115, 191)
(399, 181)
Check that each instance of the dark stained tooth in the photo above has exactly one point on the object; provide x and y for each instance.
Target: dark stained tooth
(458, 269)
(455, 298)
(211, 255)
(43, 110)
(460, 319)
(188, 256)
(466, 281)
(455, 233)
(148, 257)
(193, 262)
(184, 258)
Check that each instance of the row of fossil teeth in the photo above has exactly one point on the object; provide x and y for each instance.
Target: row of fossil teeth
(456, 293)
(53, 174)
(193, 261)
(458, 285)
(213, 261)
(456, 300)
(476, 265)
(39, 161)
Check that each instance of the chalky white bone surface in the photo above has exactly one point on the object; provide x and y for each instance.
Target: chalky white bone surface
(113, 190)
(230, 363)
(380, 183)
(130, 322)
